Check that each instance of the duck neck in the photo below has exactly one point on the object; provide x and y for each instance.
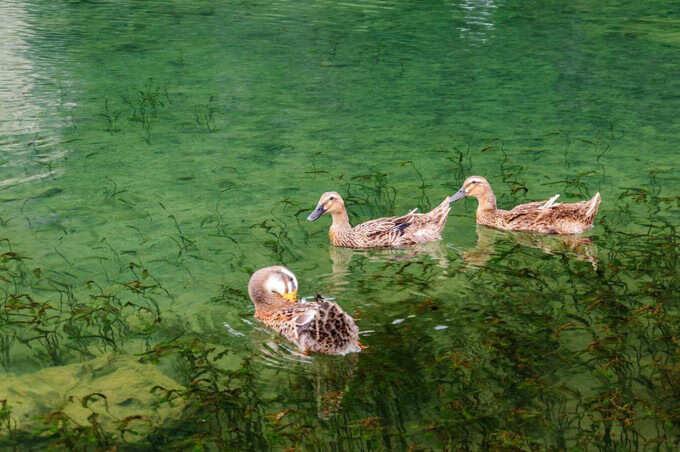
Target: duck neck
(487, 202)
(340, 221)
(265, 301)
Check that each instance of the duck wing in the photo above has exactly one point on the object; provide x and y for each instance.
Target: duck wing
(523, 212)
(385, 225)
(287, 320)
(324, 327)
(552, 217)
(528, 207)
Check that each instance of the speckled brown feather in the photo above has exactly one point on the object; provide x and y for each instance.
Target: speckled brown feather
(561, 219)
(320, 326)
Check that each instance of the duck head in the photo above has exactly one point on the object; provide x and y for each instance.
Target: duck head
(330, 202)
(271, 285)
(477, 187)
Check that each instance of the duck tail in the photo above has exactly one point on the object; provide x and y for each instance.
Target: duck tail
(593, 206)
(442, 209)
(440, 213)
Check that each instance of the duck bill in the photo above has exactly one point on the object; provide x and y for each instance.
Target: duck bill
(317, 213)
(461, 194)
(291, 296)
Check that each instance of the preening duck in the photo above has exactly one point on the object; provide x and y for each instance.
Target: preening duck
(407, 230)
(547, 217)
(319, 326)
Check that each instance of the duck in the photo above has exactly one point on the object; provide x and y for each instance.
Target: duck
(410, 229)
(546, 217)
(319, 326)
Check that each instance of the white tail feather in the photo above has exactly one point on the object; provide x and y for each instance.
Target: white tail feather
(593, 204)
(549, 203)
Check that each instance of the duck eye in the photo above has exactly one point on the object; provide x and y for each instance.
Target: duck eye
(331, 198)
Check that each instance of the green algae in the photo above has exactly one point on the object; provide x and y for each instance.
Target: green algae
(78, 396)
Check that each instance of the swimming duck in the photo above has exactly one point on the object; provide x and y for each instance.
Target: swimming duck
(319, 326)
(407, 230)
(547, 217)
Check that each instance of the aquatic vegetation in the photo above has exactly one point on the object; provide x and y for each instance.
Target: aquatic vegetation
(112, 118)
(204, 115)
(424, 201)
(96, 320)
(526, 343)
(146, 107)
(278, 241)
(520, 339)
(373, 191)
(459, 169)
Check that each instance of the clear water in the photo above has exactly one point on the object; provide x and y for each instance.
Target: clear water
(154, 154)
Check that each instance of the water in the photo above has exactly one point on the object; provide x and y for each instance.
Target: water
(155, 154)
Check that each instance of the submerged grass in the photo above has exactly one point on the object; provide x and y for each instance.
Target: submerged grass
(555, 353)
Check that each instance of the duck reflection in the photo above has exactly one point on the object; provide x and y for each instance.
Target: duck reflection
(342, 257)
(579, 248)
(332, 376)
(329, 375)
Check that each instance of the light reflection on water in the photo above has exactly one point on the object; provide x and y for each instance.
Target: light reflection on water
(478, 18)
(32, 154)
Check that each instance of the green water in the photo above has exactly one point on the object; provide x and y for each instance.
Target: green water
(154, 154)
